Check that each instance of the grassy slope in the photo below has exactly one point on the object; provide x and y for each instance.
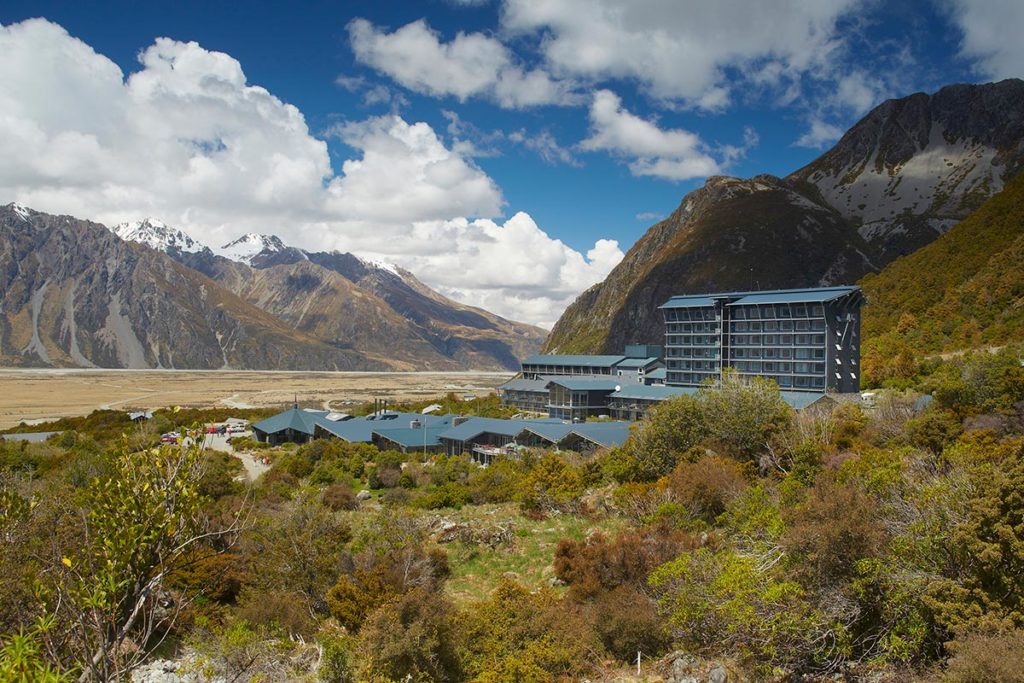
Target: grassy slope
(964, 290)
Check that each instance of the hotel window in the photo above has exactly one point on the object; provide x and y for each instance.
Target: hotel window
(817, 310)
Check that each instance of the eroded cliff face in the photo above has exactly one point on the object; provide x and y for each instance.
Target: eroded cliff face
(898, 179)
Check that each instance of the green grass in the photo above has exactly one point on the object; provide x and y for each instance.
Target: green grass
(477, 569)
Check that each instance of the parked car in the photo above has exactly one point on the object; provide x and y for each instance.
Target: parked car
(170, 437)
(236, 429)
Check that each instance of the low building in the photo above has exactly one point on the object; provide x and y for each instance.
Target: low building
(556, 364)
(656, 377)
(295, 425)
(528, 395)
(634, 401)
(410, 439)
(577, 398)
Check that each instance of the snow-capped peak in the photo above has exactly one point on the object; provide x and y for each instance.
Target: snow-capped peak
(250, 245)
(21, 210)
(157, 235)
(380, 265)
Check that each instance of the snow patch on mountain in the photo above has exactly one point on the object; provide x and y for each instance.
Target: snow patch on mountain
(157, 235)
(22, 211)
(380, 265)
(249, 246)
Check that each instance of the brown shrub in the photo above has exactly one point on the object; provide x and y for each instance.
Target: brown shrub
(981, 658)
(281, 609)
(627, 621)
(834, 527)
(339, 496)
(706, 487)
(598, 564)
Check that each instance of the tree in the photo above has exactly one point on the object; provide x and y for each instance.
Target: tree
(108, 599)
(671, 429)
(742, 416)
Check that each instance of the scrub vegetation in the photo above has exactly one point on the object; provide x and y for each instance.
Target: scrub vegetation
(881, 542)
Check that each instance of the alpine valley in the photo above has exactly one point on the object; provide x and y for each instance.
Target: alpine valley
(145, 295)
(896, 181)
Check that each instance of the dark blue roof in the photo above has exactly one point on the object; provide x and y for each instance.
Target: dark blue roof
(637, 362)
(650, 392)
(551, 432)
(361, 429)
(409, 437)
(768, 296)
(608, 434)
(574, 360)
(520, 384)
(296, 419)
(795, 296)
(696, 301)
(584, 384)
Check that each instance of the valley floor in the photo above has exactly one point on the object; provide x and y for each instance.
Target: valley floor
(43, 394)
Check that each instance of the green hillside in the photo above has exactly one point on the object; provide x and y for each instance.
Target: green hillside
(964, 290)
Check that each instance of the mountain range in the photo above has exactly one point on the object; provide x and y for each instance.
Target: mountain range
(901, 177)
(146, 295)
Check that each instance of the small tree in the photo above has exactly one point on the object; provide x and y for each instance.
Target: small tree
(107, 599)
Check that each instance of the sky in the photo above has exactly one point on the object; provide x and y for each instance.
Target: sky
(507, 152)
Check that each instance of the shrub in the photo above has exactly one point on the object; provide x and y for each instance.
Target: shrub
(981, 658)
(517, 635)
(339, 496)
(598, 564)
(830, 531)
(627, 621)
(411, 639)
(284, 610)
(706, 487)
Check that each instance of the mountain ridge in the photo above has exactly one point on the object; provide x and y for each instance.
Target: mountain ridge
(331, 322)
(849, 212)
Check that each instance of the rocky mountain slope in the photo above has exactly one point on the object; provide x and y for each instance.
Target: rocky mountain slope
(74, 294)
(169, 301)
(366, 306)
(964, 290)
(899, 178)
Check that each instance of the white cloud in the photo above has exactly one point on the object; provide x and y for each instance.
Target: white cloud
(819, 135)
(187, 139)
(546, 146)
(991, 35)
(672, 154)
(471, 64)
(649, 216)
(680, 50)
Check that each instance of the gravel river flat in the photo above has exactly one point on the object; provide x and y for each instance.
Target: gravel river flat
(34, 395)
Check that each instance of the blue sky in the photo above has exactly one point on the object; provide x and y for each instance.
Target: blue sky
(575, 117)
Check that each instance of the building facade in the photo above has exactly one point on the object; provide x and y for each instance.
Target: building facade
(803, 339)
